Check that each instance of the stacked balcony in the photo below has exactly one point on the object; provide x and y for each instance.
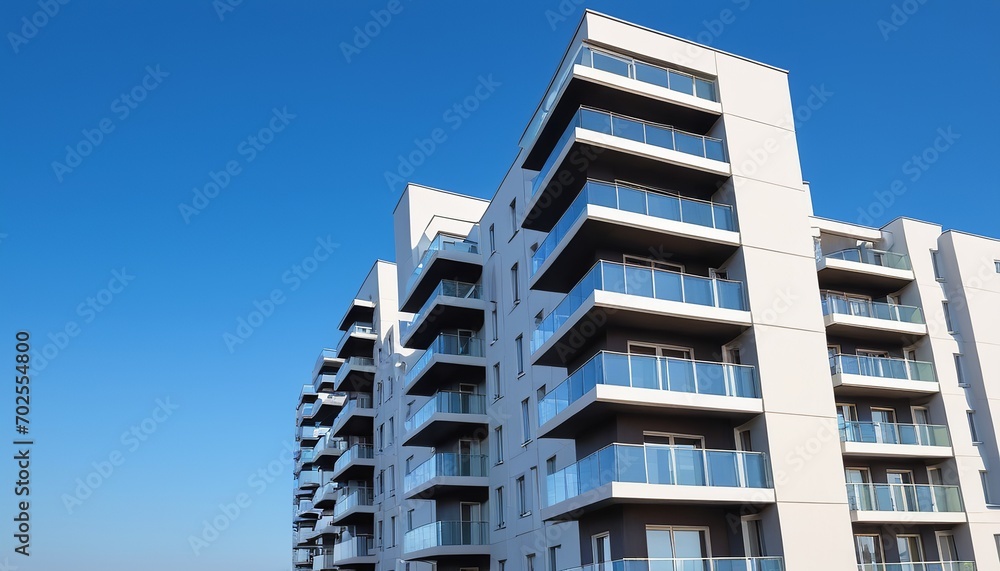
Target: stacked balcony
(356, 463)
(846, 315)
(349, 552)
(451, 305)
(906, 504)
(356, 374)
(354, 504)
(867, 268)
(895, 440)
(447, 474)
(444, 417)
(358, 341)
(449, 542)
(444, 257)
(356, 417)
(449, 356)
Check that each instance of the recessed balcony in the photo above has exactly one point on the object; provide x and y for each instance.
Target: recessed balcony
(452, 305)
(607, 216)
(358, 341)
(465, 542)
(447, 474)
(356, 417)
(302, 557)
(446, 257)
(895, 440)
(594, 136)
(357, 374)
(354, 505)
(444, 417)
(612, 384)
(620, 295)
(877, 270)
(688, 564)
(449, 357)
(303, 459)
(882, 376)
(304, 414)
(306, 511)
(356, 463)
(905, 503)
(657, 474)
(863, 319)
(360, 310)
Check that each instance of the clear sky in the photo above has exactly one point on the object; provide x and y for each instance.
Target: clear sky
(113, 245)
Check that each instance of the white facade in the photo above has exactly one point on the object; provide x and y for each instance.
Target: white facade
(646, 352)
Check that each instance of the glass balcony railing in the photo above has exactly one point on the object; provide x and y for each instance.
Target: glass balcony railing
(447, 464)
(712, 564)
(301, 556)
(356, 452)
(439, 243)
(322, 379)
(361, 401)
(360, 328)
(328, 491)
(883, 367)
(312, 432)
(354, 497)
(904, 498)
(631, 68)
(446, 344)
(872, 257)
(350, 548)
(447, 288)
(643, 282)
(639, 201)
(329, 445)
(306, 390)
(307, 456)
(663, 136)
(650, 372)
(308, 478)
(446, 402)
(352, 364)
(844, 305)
(659, 464)
(922, 566)
(446, 533)
(895, 433)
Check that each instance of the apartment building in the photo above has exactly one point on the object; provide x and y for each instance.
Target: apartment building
(646, 352)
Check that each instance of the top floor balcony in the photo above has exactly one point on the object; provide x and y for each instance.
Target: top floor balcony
(873, 270)
(445, 257)
(359, 311)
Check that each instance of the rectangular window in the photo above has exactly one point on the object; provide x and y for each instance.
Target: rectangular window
(493, 239)
(997, 263)
(984, 478)
(495, 323)
(498, 447)
(392, 531)
(519, 353)
(526, 420)
(502, 564)
(391, 476)
(378, 532)
(947, 317)
(513, 217)
(972, 427)
(936, 263)
(553, 551)
(960, 370)
(498, 500)
(380, 437)
(550, 465)
(515, 287)
(529, 562)
(497, 386)
(392, 431)
(522, 498)
(409, 520)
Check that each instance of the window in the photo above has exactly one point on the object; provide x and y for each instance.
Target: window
(513, 217)
(498, 447)
(515, 288)
(502, 564)
(936, 263)
(550, 465)
(495, 323)
(552, 557)
(493, 239)
(392, 431)
(526, 421)
(529, 562)
(983, 477)
(388, 384)
(392, 531)
(497, 387)
(409, 520)
(997, 263)
(378, 532)
(392, 480)
(947, 317)
(498, 500)
(960, 370)
(378, 393)
(523, 502)
(380, 482)
(380, 437)
(972, 427)
(519, 353)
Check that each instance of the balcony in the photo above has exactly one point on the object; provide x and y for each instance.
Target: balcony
(446, 257)
(324, 382)
(657, 474)
(711, 564)
(894, 440)
(304, 413)
(324, 526)
(905, 503)
(356, 418)
(355, 505)
(356, 463)
(307, 394)
(326, 497)
(353, 552)
(357, 374)
(864, 268)
(328, 448)
(614, 294)
(923, 566)
(305, 511)
(360, 310)
(306, 482)
(452, 305)
(358, 341)
(303, 459)
(327, 363)
(448, 474)
(308, 435)
(448, 357)
(465, 542)
(606, 216)
(444, 417)
(611, 384)
(868, 320)
(875, 376)
(327, 406)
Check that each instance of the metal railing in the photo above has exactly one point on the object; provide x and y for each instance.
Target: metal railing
(447, 288)
(895, 433)
(447, 464)
(672, 79)
(922, 566)
(442, 242)
(883, 367)
(446, 533)
(356, 452)
(446, 402)
(844, 305)
(904, 498)
(352, 498)
(872, 257)
(445, 344)
(688, 564)
(643, 282)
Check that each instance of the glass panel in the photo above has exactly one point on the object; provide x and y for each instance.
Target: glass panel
(668, 286)
(680, 375)
(704, 89)
(690, 467)
(651, 74)
(663, 206)
(689, 144)
(710, 378)
(644, 372)
(628, 129)
(595, 121)
(694, 212)
(631, 200)
(660, 137)
(722, 469)
(698, 291)
(682, 83)
(638, 281)
(714, 150)
(611, 64)
(659, 462)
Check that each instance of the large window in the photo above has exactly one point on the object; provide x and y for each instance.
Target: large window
(677, 543)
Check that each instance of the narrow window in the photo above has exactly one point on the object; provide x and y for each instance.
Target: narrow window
(526, 421)
(519, 353)
(936, 263)
(972, 427)
(493, 239)
(515, 287)
(513, 217)
(498, 499)
(947, 317)
(498, 447)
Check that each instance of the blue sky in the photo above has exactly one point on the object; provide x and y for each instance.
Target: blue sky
(167, 284)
